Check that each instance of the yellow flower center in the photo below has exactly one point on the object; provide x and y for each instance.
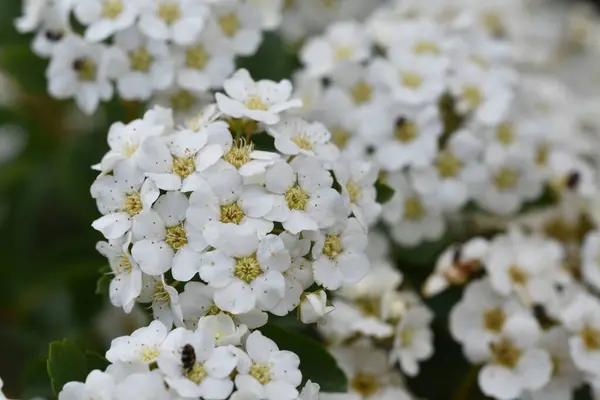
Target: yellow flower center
(133, 204)
(86, 69)
(330, 4)
(354, 191)
(542, 154)
(506, 179)
(407, 336)
(406, 131)
(340, 137)
(160, 294)
(447, 165)
(182, 100)
(343, 53)
(506, 133)
(247, 268)
(411, 79)
(230, 24)
(426, 47)
(239, 154)
(256, 103)
(473, 96)
(361, 92)
(369, 306)
(169, 12)
(366, 384)
(493, 320)
(111, 9)
(505, 353)
(492, 22)
(140, 59)
(517, 275)
(196, 57)
(183, 166)
(196, 374)
(296, 198)
(148, 353)
(232, 214)
(261, 373)
(302, 140)
(129, 150)
(176, 237)
(590, 338)
(124, 265)
(413, 209)
(332, 246)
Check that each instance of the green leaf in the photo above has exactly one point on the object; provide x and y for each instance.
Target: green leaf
(25, 67)
(384, 192)
(316, 363)
(66, 363)
(104, 280)
(95, 361)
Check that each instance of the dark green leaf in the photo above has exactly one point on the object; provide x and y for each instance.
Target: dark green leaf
(27, 68)
(95, 361)
(104, 280)
(66, 363)
(384, 192)
(316, 363)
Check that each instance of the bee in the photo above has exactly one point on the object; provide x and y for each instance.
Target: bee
(188, 356)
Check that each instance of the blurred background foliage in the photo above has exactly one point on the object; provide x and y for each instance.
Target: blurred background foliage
(48, 265)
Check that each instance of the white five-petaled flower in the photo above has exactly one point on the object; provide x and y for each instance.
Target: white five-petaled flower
(413, 339)
(142, 346)
(164, 300)
(295, 136)
(181, 21)
(97, 385)
(303, 196)
(260, 101)
(208, 376)
(237, 24)
(105, 17)
(266, 371)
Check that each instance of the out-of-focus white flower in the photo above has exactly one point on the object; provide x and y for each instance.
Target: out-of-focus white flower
(314, 306)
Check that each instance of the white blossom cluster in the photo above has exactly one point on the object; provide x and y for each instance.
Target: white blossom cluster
(170, 50)
(217, 360)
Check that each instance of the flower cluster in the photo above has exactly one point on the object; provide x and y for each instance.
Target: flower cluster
(174, 50)
(217, 360)
(249, 230)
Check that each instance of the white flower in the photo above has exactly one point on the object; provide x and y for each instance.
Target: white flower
(105, 17)
(411, 139)
(174, 162)
(125, 140)
(304, 198)
(266, 371)
(184, 103)
(516, 364)
(208, 375)
(270, 11)
(339, 255)
(314, 307)
(413, 339)
(369, 374)
(203, 65)
(140, 65)
(342, 42)
(413, 217)
(141, 346)
(144, 386)
(246, 272)
(412, 80)
(223, 328)
(126, 286)
(448, 176)
(166, 241)
(260, 101)
(79, 69)
(197, 301)
(565, 376)
(54, 28)
(310, 391)
(295, 136)
(238, 26)
(164, 299)
(98, 385)
(524, 265)
(178, 20)
(590, 259)
(480, 316)
(223, 204)
(455, 265)
(582, 319)
(121, 198)
(357, 179)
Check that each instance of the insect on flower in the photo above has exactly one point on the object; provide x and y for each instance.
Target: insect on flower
(188, 356)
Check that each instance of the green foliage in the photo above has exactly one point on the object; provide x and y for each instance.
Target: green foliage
(384, 192)
(316, 363)
(66, 363)
(104, 280)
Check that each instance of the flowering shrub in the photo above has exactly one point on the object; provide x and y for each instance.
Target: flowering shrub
(291, 238)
